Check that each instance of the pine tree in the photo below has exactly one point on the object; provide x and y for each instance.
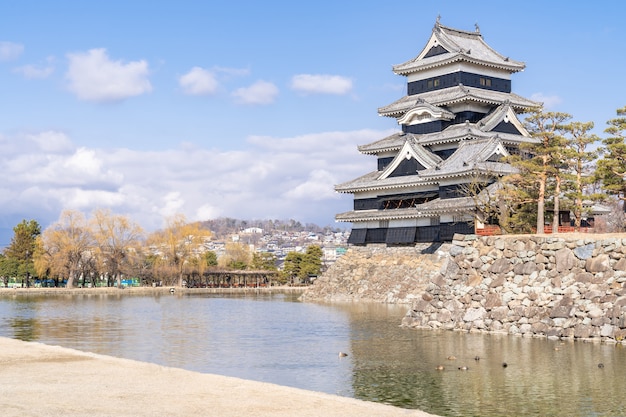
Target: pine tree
(22, 248)
(578, 159)
(541, 160)
(611, 169)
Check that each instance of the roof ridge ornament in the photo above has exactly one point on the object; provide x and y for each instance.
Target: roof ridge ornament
(477, 27)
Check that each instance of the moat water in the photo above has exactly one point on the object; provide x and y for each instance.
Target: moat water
(272, 337)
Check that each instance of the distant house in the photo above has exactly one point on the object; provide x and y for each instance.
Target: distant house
(458, 120)
(252, 231)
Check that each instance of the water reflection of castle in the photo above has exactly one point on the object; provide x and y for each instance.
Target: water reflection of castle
(459, 119)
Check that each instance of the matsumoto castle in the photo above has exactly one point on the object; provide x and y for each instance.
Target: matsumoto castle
(459, 118)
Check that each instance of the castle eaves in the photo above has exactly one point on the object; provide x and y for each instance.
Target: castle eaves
(458, 94)
(461, 46)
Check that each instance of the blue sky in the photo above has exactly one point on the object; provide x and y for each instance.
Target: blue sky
(249, 109)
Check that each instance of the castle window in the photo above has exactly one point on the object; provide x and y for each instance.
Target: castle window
(433, 83)
(485, 82)
(383, 224)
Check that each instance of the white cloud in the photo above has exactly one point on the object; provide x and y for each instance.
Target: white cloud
(207, 211)
(51, 141)
(92, 76)
(81, 199)
(83, 162)
(198, 81)
(321, 84)
(232, 72)
(261, 92)
(277, 178)
(34, 72)
(10, 51)
(172, 203)
(317, 187)
(549, 102)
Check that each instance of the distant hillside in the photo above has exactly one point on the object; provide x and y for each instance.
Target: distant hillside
(225, 226)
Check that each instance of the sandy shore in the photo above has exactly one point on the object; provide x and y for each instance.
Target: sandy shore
(40, 380)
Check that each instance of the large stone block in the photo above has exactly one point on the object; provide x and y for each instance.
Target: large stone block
(444, 316)
(526, 268)
(474, 314)
(583, 277)
(497, 281)
(565, 260)
(492, 300)
(593, 295)
(562, 312)
(499, 313)
(584, 252)
(600, 263)
(534, 312)
(453, 305)
(539, 328)
(422, 306)
(554, 332)
(620, 265)
(607, 330)
(474, 279)
(501, 266)
(583, 331)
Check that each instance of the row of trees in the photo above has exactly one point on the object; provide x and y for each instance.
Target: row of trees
(108, 247)
(563, 167)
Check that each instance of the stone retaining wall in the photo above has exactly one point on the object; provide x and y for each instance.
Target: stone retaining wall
(379, 273)
(541, 286)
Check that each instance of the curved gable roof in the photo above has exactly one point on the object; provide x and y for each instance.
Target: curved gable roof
(390, 143)
(473, 155)
(503, 114)
(461, 46)
(424, 112)
(409, 150)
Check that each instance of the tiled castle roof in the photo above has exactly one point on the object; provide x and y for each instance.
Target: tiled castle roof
(457, 132)
(460, 46)
(471, 158)
(457, 94)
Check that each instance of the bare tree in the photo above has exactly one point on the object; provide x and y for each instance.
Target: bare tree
(115, 236)
(178, 244)
(66, 247)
